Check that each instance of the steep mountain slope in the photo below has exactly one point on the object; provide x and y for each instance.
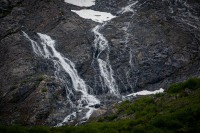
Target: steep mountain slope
(148, 45)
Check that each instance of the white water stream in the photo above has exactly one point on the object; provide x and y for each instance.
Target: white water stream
(46, 49)
(101, 44)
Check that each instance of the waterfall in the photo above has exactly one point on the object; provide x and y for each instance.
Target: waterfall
(100, 45)
(46, 49)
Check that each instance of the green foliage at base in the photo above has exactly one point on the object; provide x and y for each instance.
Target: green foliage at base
(193, 84)
(175, 111)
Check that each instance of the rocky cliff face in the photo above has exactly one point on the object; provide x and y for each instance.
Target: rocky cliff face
(150, 45)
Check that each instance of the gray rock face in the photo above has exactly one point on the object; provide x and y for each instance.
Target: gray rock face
(160, 46)
(150, 47)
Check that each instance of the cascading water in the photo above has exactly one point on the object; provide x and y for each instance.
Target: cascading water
(126, 9)
(46, 49)
(85, 104)
(100, 45)
(133, 49)
(127, 25)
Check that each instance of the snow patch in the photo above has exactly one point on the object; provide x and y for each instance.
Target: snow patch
(81, 3)
(146, 92)
(96, 16)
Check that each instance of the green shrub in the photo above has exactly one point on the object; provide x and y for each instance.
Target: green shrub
(111, 117)
(44, 89)
(40, 78)
(159, 95)
(192, 83)
(110, 130)
(13, 129)
(39, 129)
(139, 129)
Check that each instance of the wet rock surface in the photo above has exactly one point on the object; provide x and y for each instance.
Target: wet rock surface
(151, 48)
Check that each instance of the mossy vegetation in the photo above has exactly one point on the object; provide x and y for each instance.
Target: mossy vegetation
(192, 84)
(33, 78)
(175, 111)
(44, 89)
